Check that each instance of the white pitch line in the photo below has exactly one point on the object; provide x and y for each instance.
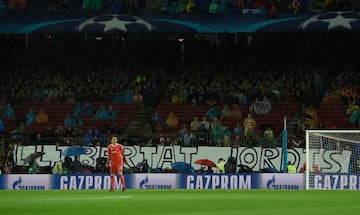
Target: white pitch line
(86, 198)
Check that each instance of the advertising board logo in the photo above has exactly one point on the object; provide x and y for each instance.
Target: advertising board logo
(272, 184)
(146, 184)
(20, 185)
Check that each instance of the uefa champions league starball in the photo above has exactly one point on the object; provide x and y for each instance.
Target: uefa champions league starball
(112, 23)
(332, 21)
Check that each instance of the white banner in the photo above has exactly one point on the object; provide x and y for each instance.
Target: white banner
(162, 157)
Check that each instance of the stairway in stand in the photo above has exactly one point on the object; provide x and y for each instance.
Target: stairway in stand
(137, 123)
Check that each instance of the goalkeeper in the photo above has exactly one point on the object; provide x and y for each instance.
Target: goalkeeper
(115, 162)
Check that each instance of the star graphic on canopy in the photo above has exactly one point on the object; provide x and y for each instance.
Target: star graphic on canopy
(332, 19)
(84, 24)
(309, 21)
(144, 23)
(110, 22)
(115, 24)
(339, 21)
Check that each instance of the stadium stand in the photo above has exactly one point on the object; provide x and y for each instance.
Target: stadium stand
(57, 113)
(333, 115)
(185, 113)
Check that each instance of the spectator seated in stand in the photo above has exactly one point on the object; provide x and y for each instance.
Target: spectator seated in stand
(235, 111)
(256, 107)
(172, 120)
(78, 121)
(185, 136)
(273, 12)
(215, 124)
(2, 126)
(78, 110)
(69, 121)
(101, 113)
(157, 118)
(225, 112)
(191, 7)
(266, 105)
(104, 127)
(88, 138)
(9, 112)
(239, 129)
(239, 3)
(87, 109)
(224, 6)
(92, 5)
(211, 100)
(126, 98)
(30, 117)
(99, 139)
(227, 141)
(311, 119)
(204, 125)
(181, 7)
(295, 6)
(214, 6)
(177, 98)
(115, 128)
(249, 125)
(354, 118)
(212, 112)
(137, 98)
(112, 114)
(217, 134)
(195, 125)
(329, 5)
(42, 117)
(269, 135)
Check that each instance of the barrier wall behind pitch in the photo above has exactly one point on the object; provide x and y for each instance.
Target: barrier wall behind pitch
(153, 181)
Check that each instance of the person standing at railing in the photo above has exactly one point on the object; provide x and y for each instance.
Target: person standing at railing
(220, 166)
(291, 168)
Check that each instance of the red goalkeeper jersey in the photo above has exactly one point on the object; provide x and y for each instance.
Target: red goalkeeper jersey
(116, 153)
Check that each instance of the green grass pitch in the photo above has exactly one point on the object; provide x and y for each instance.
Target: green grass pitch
(179, 202)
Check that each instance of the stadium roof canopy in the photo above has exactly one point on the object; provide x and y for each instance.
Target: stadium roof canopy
(185, 23)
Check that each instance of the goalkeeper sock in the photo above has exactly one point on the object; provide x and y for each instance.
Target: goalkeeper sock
(122, 179)
(112, 182)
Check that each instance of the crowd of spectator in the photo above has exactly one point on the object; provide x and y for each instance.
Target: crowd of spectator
(207, 73)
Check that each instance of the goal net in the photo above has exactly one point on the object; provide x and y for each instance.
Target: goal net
(332, 159)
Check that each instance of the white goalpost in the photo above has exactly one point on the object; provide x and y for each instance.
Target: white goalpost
(332, 159)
